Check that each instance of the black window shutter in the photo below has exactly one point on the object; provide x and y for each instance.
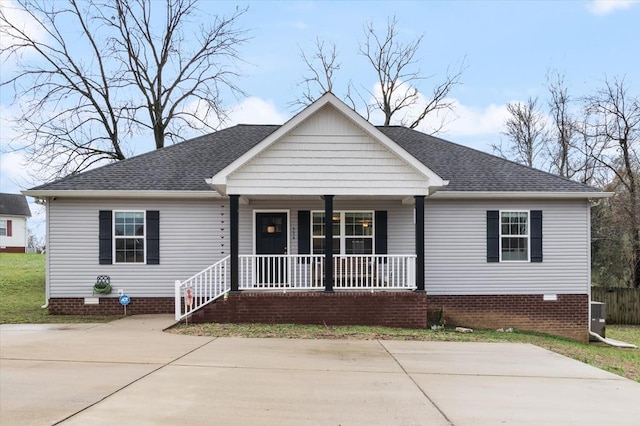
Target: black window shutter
(536, 235)
(105, 237)
(153, 237)
(304, 232)
(493, 236)
(380, 223)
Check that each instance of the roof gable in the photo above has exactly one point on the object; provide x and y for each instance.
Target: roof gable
(327, 149)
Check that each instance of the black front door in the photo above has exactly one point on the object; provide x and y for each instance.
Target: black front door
(271, 239)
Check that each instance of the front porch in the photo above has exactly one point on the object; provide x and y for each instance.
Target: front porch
(295, 273)
(291, 250)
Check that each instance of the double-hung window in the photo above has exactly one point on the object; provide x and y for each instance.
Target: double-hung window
(129, 236)
(3, 227)
(353, 232)
(514, 236)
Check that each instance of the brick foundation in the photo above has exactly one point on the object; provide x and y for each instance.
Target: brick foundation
(566, 317)
(393, 309)
(13, 250)
(111, 306)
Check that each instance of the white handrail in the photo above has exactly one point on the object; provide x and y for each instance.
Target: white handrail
(201, 289)
(306, 272)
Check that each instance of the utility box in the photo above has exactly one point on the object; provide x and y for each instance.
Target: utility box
(598, 318)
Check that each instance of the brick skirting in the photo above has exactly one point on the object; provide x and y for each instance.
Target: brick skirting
(567, 317)
(393, 309)
(111, 306)
(13, 250)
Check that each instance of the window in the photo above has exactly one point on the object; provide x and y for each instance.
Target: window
(129, 236)
(3, 227)
(514, 236)
(352, 232)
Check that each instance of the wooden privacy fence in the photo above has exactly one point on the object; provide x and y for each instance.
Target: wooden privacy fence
(623, 304)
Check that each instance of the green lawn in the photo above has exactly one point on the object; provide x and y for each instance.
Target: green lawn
(22, 279)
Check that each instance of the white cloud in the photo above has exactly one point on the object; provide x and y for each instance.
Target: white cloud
(605, 7)
(13, 174)
(462, 120)
(23, 21)
(255, 110)
(470, 121)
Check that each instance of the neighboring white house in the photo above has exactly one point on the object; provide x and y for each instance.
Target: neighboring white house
(14, 211)
(422, 231)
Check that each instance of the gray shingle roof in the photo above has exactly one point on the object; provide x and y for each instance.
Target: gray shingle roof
(180, 167)
(185, 166)
(14, 205)
(467, 169)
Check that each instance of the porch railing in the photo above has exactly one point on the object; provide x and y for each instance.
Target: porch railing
(201, 289)
(301, 272)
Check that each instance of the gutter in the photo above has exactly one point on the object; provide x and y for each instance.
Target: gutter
(42, 193)
(519, 195)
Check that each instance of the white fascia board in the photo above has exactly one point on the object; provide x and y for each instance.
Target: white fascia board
(519, 195)
(121, 194)
(220, 178)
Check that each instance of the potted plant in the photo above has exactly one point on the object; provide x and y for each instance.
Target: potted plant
(102, 287)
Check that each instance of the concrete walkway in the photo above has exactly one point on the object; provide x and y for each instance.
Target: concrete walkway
(129, 372)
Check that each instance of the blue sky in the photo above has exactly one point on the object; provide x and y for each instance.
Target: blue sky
(508, 47)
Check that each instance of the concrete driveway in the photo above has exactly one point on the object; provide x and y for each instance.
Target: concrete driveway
(129, 372)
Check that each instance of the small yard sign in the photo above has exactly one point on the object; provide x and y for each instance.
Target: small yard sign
(125, 300)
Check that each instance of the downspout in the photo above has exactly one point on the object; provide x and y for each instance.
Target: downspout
(612, 342)
(47, 289)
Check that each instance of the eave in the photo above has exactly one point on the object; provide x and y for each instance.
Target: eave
(122, 194)
(450, 195)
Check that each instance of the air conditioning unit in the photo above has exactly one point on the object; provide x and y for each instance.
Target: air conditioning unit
(598, 318)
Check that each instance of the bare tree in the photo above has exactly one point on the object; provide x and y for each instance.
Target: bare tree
(399, 77)
(564, 126)
(526, 134)
(613, 132)
(105, 71)
(321, 66)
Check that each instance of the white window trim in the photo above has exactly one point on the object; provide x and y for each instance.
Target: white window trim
(343, 236)
(5, 223)
(515, 236)
(114, 237)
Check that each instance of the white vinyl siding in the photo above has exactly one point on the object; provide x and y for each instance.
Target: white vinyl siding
(194, 234)
(327, 154)
(456, 249)
(19, 233)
